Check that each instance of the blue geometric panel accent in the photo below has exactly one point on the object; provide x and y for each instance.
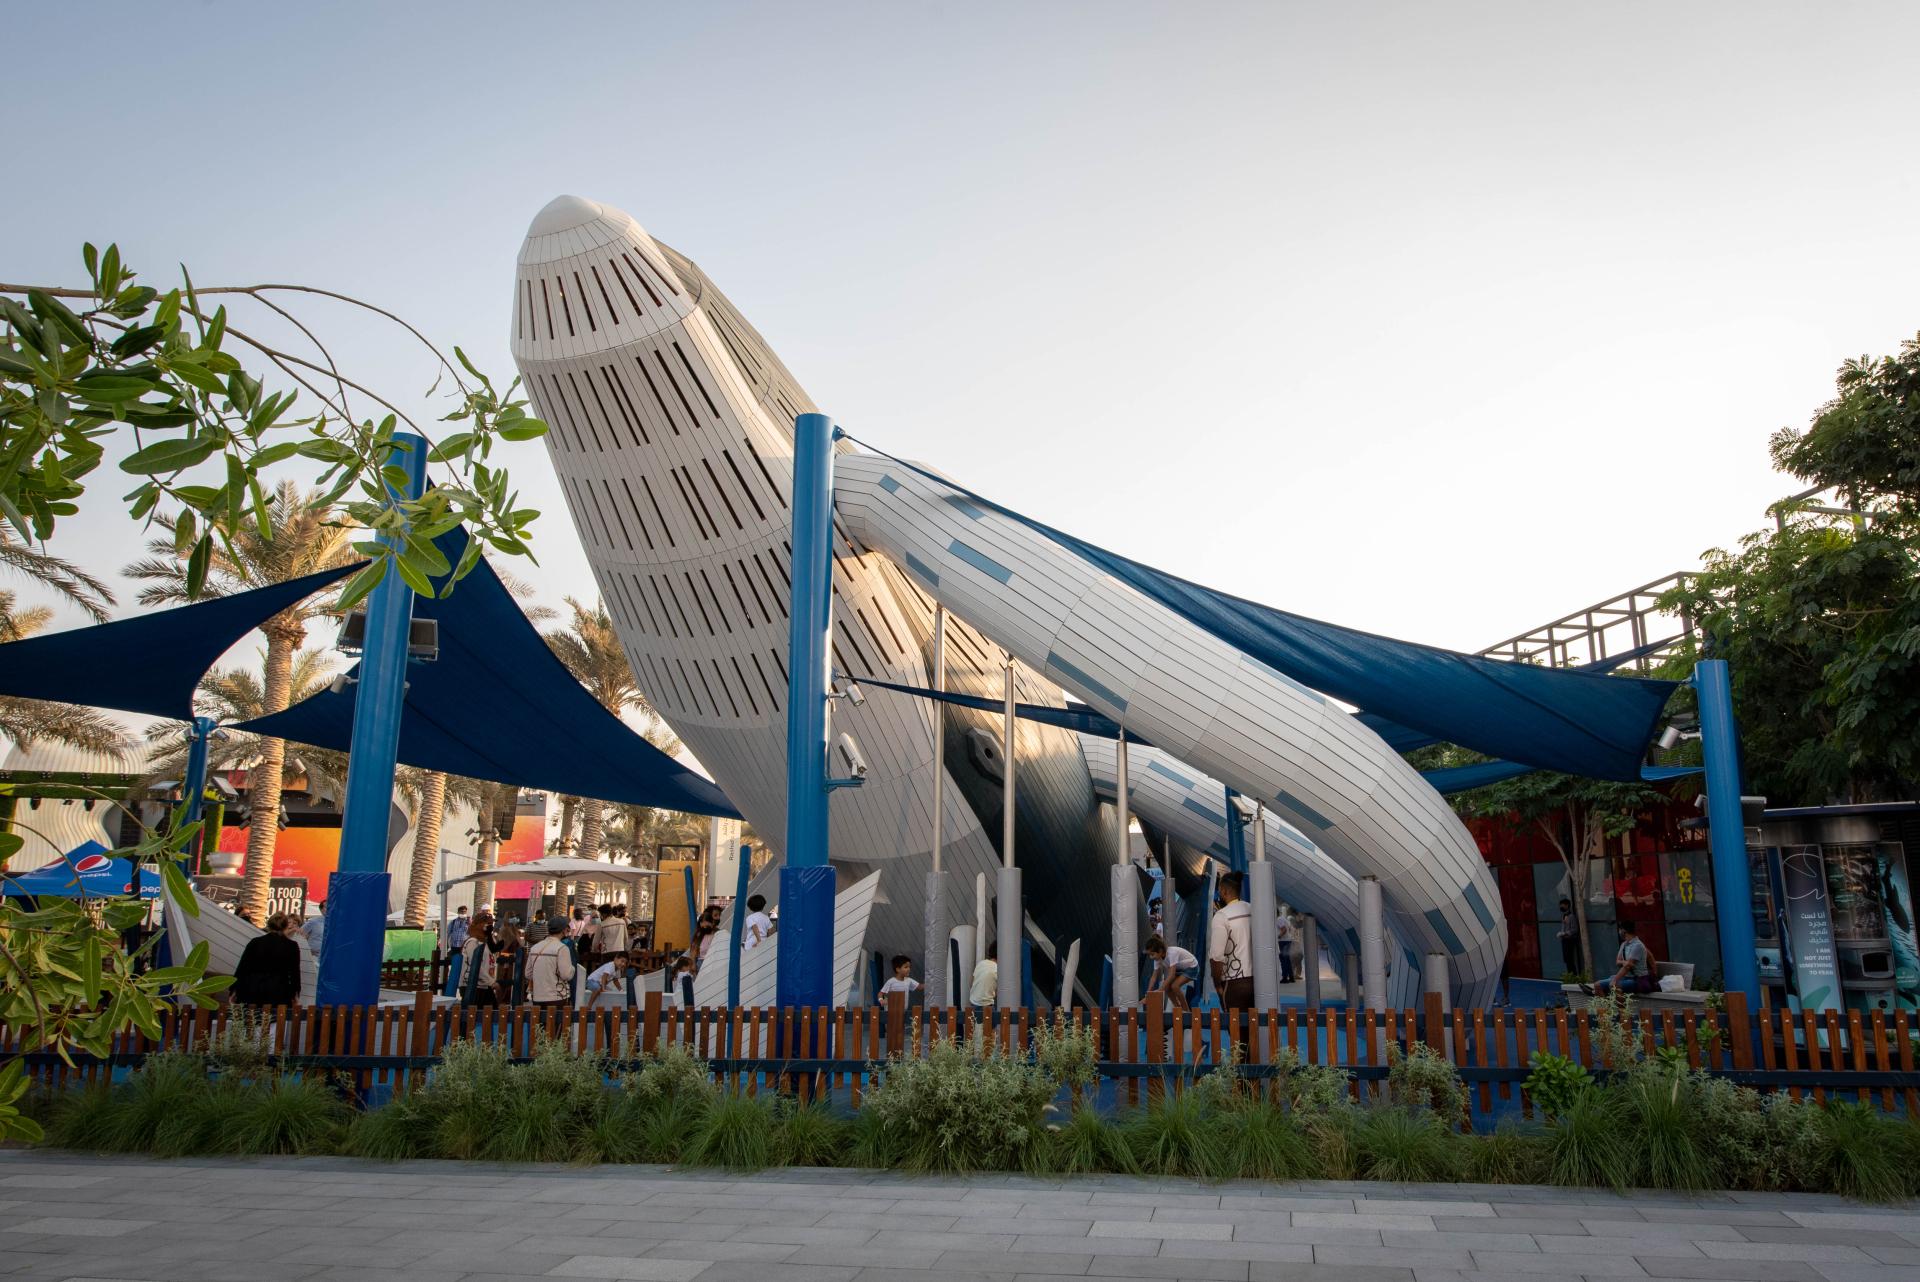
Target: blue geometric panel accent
(1479, 906)
(890, 485)
(1438, 920)
(1055, 661)
(981, 562)
(922, 569)
(965, 508)
(1302, 809)
(1161, 768)
(1204, 811)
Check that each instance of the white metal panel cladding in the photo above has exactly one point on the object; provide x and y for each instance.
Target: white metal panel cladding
(672, 439)
(1319, 768)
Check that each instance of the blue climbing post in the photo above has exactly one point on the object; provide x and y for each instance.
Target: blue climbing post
(805, 963)
(357, 893)
(739, 928)
(1726, 831)
(193, 787)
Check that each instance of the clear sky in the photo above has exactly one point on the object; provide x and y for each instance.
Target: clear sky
(1437, 320)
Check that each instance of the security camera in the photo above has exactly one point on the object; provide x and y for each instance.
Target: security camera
(1247, 807)
(850, 754)
(341, 684)
(855, 695)
(1668, 738)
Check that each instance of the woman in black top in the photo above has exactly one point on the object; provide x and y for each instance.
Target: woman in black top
(269, 969)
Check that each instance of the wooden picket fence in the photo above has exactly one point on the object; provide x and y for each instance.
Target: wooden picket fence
(811, 1052)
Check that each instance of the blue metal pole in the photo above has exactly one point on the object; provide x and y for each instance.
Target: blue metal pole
(739, 928)
(357, 893)
(1726, 829)
(193, 788)
(805, 964)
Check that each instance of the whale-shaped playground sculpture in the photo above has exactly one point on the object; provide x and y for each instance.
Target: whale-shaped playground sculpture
(672, 437)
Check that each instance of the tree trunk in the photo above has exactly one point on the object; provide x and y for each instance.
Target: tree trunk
(426, 848)
(284, 636)
(593, 820)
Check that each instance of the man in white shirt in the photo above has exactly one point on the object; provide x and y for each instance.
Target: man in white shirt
(609, 978)
(902, 980)
(1230, 946)
(550, 967)
(986, 980)
(610, 936)
(758, 927)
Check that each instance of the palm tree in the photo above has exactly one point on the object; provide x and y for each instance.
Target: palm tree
(65, 578)
(591, 649)
(430, 791)
(26, 720)
(302, 536)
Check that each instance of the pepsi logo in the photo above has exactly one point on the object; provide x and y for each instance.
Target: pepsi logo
(91, 863)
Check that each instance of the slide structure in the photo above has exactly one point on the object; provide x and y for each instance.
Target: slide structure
(672, 439)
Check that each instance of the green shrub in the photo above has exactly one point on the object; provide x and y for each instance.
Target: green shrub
(288, 1115)
(672, 1071)
(1068, 1053)
(1422, 1078)
(809, 1135)
(1586, 1144)
(1555, 1081)
(1658, 1108)
(535, 1127)
(871, 1145)
(1857, 1154)
(1261, 1142)
(83, 1120)
(158, 1108)
(1505, 1155)
(394, 1133)
(1181, 1134)
(1405, 1145)
(1089, 1143)
(667, 1125)
(964, 1108)
(736, 1132)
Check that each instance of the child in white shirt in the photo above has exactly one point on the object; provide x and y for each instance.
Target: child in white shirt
(902, 981)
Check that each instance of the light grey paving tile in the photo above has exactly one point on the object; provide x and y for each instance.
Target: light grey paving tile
(1361, 1220)
(802, 1235)
(630, 1267)
(1452, 1241)
(1891, 1254)
(1398, 1257)
(756, 1271)
(1051, 1263)
(912, 1239)
(1664, 1266)
(1591, 1266)
(480, 1258)
(1867, 1273)
(1168, 1266)
(1713, 1215)
(1160, 1229)
(51, 1180)
(1284, 1272)
(1266, 1205)
(70, 1226)
(1240, 1249)
(1602, 1244)
(1212, 1215)
(1647, 1229)
(677, 1249)
(1505, 1224)
(1786, 1251)
(352, 1275)
(1191, 1201)
(741, 1217)
(1287, 1234)
(866, 1256)
(1611, 1209)
(920, 1220)
(1894, 1221)
(1081, 1242)
(1829, 1237)
(1421, 1206)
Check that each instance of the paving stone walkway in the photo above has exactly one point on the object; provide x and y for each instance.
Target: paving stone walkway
(69, 1219)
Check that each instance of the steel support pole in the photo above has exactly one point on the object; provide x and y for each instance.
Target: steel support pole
(193, 791)
(1373, 945)
(939, 922)
(805, 960)
(1007, 898)
(1726, 831)
(1264, 928)
(357, 894)
(1310, 959)
(1125, 895)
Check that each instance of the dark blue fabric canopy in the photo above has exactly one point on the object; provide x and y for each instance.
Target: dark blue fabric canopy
(1454, 779)
(1081, 718)
(1555, 719)
(152, 663)
(497, 704)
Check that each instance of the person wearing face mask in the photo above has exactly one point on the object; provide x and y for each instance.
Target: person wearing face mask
(1632, 966)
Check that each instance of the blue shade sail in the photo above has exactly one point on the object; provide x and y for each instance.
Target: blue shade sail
(497, 704)
(151, 663)
(1554, 719)
(1454, 779)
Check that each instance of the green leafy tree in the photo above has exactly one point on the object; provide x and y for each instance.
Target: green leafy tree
(1576, 815)
(1819, 617)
